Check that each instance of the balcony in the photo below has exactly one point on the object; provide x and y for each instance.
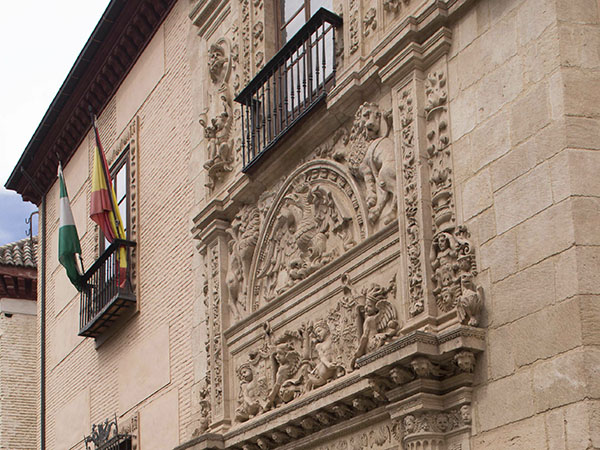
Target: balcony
(107, 293)
(292, 83)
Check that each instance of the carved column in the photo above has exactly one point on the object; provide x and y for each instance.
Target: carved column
(214, 240)
(440, 259)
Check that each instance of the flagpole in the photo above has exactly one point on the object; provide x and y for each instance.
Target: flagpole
(106, 179)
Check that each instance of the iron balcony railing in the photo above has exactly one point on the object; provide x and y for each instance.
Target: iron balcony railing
(106, 436)
(107, 291)
(292, 83)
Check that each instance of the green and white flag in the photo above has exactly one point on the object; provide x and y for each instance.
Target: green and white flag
(68, 240)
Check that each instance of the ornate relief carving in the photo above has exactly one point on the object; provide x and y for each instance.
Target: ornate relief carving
(438, 152)
(371, 159)
(217, 131)
(245, 40)
(354, 26)
(453, 263)
(370, 21)
(411, 204)
(286, 367)
(257, 33)
(217, 350)
(244, 236)
(378, 320)
(429, 429)
(393, 6)
(317, 217)
(452, 255)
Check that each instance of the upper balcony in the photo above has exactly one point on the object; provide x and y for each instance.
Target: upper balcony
(292, 83)
(107, 292)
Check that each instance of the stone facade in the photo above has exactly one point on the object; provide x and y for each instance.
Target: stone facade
(412, 266)
(19, 346)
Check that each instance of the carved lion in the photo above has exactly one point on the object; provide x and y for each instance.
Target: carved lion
(371, 158)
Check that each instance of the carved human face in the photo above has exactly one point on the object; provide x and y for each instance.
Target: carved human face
(280, 355)
(321, 332)
(409, 424)
(421, 366)
(216, 60)
(465, 413)
(446, 296)
(246, 374)
(442, 422)
(465, 361)
(443, 242)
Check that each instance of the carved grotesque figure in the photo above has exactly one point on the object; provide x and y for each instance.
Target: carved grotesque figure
(249, 395)
(244, 236)
(470, 303)
(409, 424)
(371, 158)
(377, 321)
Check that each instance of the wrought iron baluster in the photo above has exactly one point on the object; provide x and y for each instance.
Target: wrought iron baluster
(263, 118)
(324, 55)
(304, 73)
(317, 59)
(299, 82)
(333, 54)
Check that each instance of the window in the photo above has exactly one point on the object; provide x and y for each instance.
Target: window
(295, 13)
(120, 180)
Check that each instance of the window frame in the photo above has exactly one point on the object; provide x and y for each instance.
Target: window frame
(124, 160)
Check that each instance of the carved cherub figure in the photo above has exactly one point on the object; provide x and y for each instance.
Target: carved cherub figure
(326, 369)
(285, 364)
(378, 322)
(249, 395)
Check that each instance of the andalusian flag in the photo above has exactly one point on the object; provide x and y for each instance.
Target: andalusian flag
(68, 240)
(103, 209)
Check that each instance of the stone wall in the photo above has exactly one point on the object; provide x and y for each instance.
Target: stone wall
(139, 370)
(19, 398)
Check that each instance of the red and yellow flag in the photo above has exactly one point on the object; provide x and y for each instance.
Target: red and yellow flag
(103, 205)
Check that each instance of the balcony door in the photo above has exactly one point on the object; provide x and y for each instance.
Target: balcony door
(295, 13)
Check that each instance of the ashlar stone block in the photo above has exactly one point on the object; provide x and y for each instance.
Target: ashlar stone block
(559, 381)
(523, 198)
(495, 408)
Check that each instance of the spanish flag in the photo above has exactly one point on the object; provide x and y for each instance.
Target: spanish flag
(103, 207)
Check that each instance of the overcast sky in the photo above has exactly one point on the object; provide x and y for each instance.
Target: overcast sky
(40, 42)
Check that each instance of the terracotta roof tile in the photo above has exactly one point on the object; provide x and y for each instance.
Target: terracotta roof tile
(20, 253)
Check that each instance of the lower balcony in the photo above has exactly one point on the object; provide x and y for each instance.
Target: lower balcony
(107, 292)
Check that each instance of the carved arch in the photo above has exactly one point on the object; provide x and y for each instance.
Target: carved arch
(316, 216)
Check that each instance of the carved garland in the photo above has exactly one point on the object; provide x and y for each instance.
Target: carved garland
(411, 204)
(217, 368)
